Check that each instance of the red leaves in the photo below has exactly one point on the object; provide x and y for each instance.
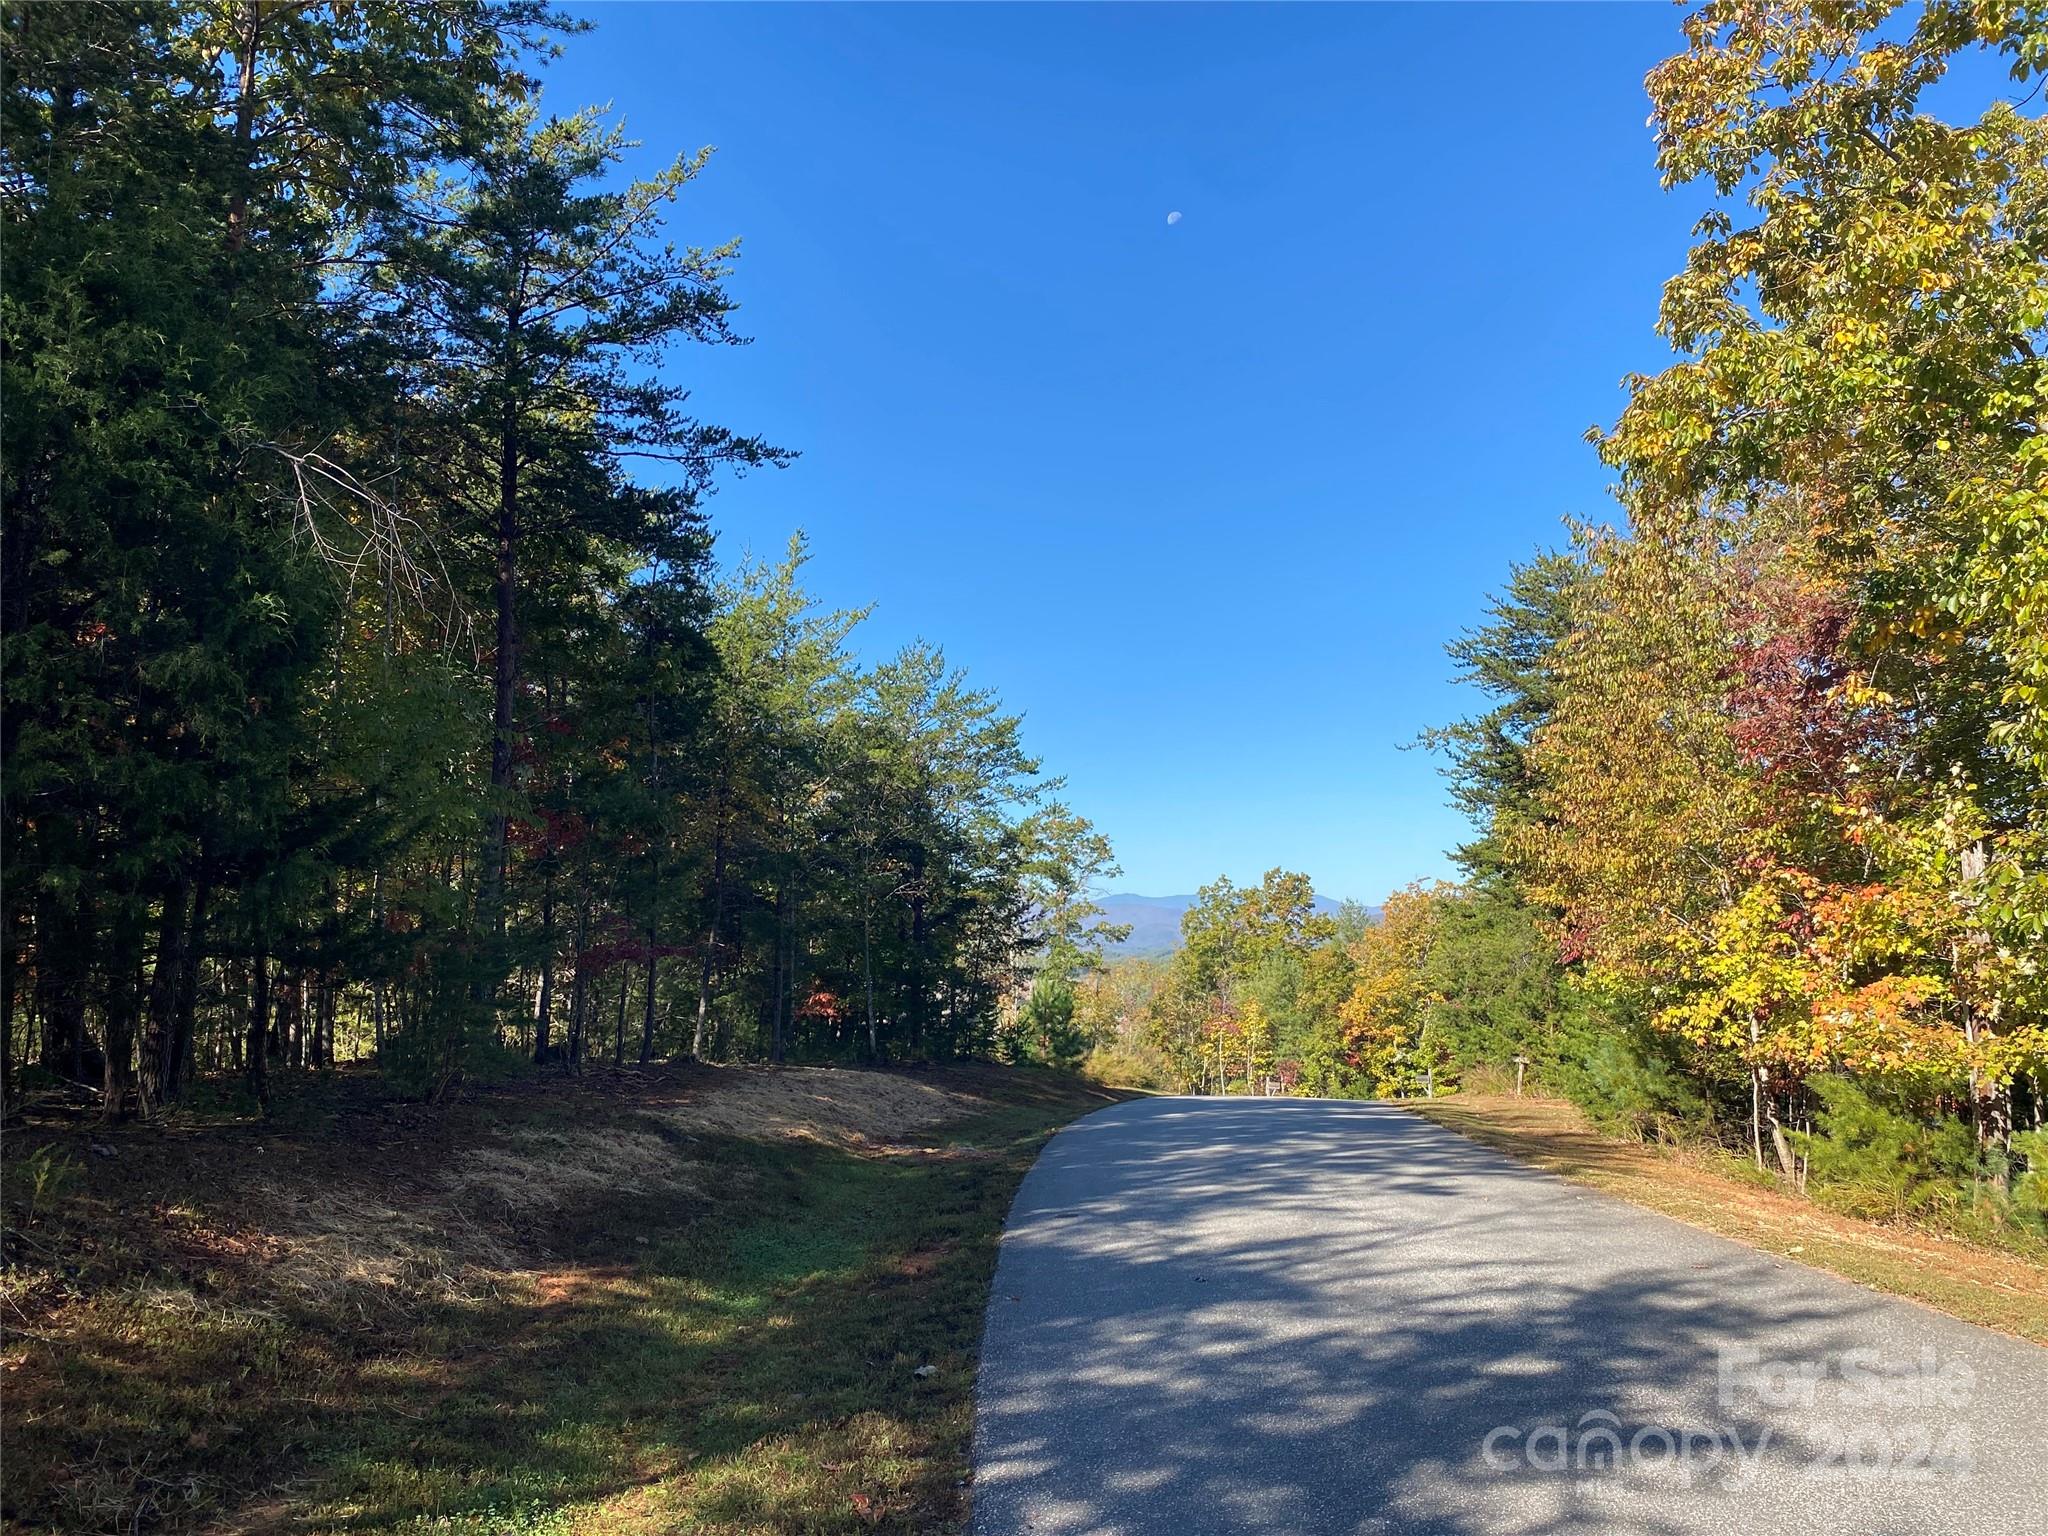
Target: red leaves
(628, 948)
(555, 831)
(1790, 715)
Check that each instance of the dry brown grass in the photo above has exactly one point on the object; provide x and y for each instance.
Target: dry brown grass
(532, 1169)
(1983, 1285)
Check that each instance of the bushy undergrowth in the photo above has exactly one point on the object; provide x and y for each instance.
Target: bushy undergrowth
(1874, 1157)
(1628, 1083)
(1868, 1153)
(1121, 1064)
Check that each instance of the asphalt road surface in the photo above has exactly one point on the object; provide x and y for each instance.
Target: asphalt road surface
(1307, 1317)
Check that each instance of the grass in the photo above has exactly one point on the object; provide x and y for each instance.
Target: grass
(1996, 1287)
(782, 1341)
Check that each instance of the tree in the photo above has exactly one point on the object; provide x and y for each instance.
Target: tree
(1046, 1032)
(1066, 861)
(1513, 659)
(534, 305)
(1863, 354)
(1768, 764)
(178, 321)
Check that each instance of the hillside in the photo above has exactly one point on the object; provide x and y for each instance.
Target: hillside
(728, 1299)
(1155, 921)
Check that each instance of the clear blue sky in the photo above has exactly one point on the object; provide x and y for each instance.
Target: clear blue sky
(1202, 500)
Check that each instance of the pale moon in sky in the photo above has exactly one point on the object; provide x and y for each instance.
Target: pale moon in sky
(1174, 217)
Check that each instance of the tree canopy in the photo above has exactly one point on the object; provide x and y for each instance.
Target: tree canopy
(371, 690)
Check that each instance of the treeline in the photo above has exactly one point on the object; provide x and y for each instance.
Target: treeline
(1773, 763)
(1762, 787)
(368, 687)
(1268, 992)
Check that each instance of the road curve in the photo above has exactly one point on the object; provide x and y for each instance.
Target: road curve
(1304, 1317)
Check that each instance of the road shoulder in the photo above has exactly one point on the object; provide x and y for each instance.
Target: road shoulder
(1987, 1286)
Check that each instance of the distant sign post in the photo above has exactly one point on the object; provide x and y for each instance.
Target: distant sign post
(1521, 1066)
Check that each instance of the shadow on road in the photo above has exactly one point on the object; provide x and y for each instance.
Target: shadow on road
(1301, 1316)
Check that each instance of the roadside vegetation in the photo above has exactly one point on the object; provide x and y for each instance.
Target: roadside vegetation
(403, 810)
(371, 690)
(740, 1300)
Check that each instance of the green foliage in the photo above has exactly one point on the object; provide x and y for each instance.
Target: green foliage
(368, 690)
(1046, 1032)
(1251, 973)
(1764, 768)
(1869, 1158)
(1494, 972)
(2030, 1189)
(41, 1179)
(1328, 1071)
(1128, 1065)
(1512, 659)
(1630, 1083)
(448, 1033)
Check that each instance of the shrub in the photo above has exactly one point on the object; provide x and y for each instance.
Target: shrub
(2030, 1189)
(1627, 1083)
(1869, 1158)
(1326, 1072)
(1045, 1032)
(1123, 1065)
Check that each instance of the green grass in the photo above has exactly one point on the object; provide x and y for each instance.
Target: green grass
(743, 1358)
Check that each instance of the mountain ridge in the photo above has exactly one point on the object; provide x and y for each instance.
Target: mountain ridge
(1155, 921)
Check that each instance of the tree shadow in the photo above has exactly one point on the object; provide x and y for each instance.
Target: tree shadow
(1303, 1316)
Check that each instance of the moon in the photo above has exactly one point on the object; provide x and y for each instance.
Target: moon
(1173, 217)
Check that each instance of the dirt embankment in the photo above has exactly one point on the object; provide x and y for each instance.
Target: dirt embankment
(351, 1195)
(532, 1168)
(189, 1305)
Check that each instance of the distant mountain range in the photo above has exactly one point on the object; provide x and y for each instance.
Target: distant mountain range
(1155, 921)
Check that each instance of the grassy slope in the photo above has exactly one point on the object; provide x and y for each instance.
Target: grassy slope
(1995, 1288)
(734, 1350)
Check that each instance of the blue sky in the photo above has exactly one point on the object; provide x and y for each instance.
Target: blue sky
(1201, 500)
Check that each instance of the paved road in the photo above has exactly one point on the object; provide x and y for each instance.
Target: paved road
(1302, 1317)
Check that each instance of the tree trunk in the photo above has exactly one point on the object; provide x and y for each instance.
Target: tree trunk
(12, 939)
(775, 986)
(619, 1028)
(789, 967)
(504, 678)
(544, 1010)
(159, 1044)
(922, 971)
(647, 1008)
(256, 1054)
(704, 972)
(1995, 1120)
(62, 959)
(167, 1056)
(377, 986)
(867, 972)
(188, 988)
(330, 1004)
(579, 986)
(249, 46)
(124, 1003)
